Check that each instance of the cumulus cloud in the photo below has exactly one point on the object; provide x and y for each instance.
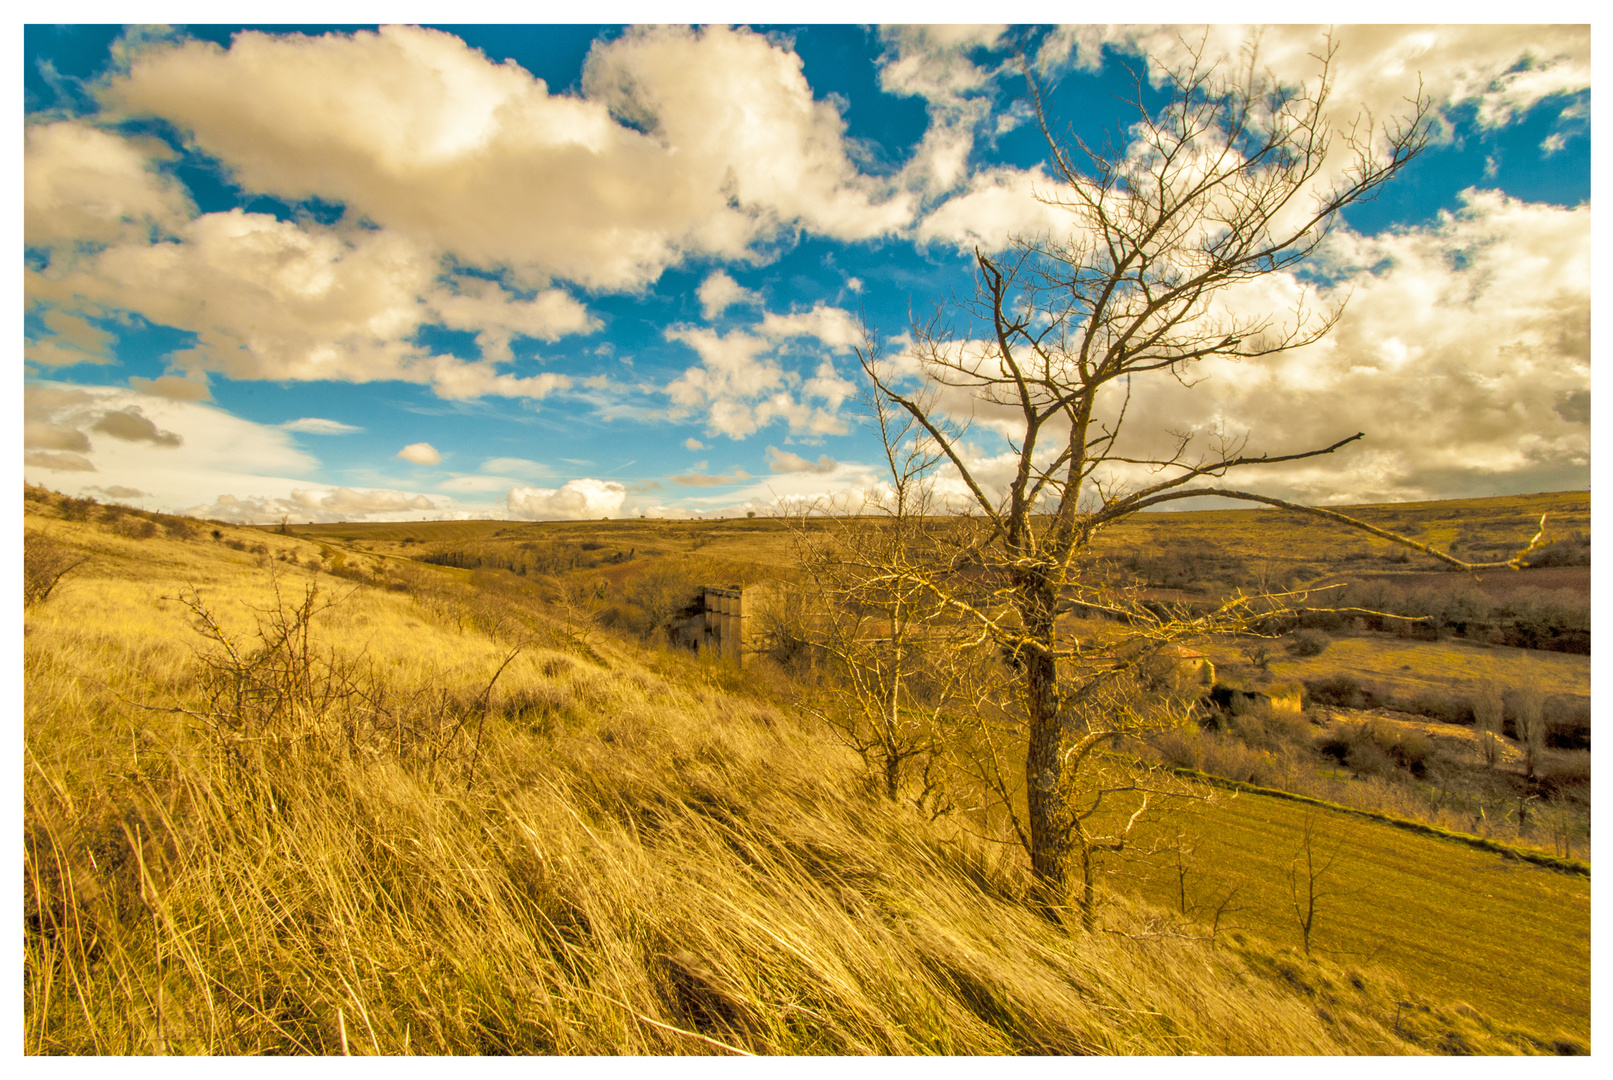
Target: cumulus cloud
(835, 327)
(73, 340)
(719, 292)
(42, 435)
(742, 384)
(692, 443)
(420, 454)
(44, 459)
(351, 502)
(701, 479)
(1497, 70)
(174, 387)
(782, 461)
(131, 425)
(999, 204)
(682, 142)
(283, 300)
(81, 184)
(314, 425)
(574, 501)
(1463, 354)
(933, 62)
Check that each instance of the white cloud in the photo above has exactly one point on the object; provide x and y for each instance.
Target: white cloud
(281, 300)
(576, 500)
(782, 461)
(1463, 354)
(409, 127)
(420, 454)
(215, 451)
(322, 505)
(73, 340)
(742, 386)
(719, 292)
(999, 204)
(516, 467)
(349, 502)
(932, 62)
(314, 425)
(1503, 70)
(84, 184)
(693, 443)
(835, 327)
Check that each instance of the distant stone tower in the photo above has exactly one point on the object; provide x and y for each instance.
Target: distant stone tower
(727, 620)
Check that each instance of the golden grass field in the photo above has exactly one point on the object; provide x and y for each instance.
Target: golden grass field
(615, 848)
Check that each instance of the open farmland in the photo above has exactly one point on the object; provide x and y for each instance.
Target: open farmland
(1509, 938)
(1398, 669)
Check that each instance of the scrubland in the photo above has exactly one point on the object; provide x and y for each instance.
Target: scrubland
(429, 809)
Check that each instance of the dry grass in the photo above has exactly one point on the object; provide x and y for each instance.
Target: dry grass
(638, 858)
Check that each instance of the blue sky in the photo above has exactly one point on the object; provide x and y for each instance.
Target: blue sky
(344, 273)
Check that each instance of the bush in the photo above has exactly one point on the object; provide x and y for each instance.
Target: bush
(1308, 643)
(1263, 728)
(1340, 690)
(77, 509)
(134, 527)
(45, 561)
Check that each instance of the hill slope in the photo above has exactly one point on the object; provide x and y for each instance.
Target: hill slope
(434, 820)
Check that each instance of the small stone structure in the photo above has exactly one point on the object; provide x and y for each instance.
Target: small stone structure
(727, 620)
(721, 619)
(1192, 666)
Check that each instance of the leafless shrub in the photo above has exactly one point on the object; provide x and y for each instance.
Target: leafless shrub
(45, 561)
(285, 694)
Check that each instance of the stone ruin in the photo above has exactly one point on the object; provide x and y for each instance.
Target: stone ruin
(721, 619)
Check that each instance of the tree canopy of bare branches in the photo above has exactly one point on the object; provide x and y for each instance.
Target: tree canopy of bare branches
(1236, 179)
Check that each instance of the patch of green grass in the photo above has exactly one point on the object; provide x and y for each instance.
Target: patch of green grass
(1508, 938)
(1406, 669)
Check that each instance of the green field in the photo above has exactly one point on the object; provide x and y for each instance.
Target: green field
(1406, 669)
(1508, 938)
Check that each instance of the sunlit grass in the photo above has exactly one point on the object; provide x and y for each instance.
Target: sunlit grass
(645, 853)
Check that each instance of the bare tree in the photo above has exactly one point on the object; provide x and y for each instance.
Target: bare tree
(1308, 873)
(1225, 185)
(1488, 709)
(1530, 722)
(905, 662)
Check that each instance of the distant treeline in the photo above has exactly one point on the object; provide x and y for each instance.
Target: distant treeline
(529, 557)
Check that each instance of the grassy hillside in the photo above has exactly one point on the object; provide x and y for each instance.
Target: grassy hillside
(1423, 907)
(439, 818)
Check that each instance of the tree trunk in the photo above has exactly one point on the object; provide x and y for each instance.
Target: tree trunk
(1044, 765)
(1089, 894)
